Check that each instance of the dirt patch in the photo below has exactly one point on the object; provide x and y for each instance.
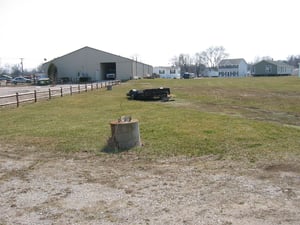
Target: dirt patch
(49, 188)
(283, 167)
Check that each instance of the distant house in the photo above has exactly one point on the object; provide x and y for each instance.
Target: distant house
(167, 72)
(271, 68)
(233, 68)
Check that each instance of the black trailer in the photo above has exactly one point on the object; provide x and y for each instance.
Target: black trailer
(150, 94)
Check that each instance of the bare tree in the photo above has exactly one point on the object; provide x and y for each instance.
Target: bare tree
(258, 59)
(196, 64)
(3, 70)
(294, 60)
(199, 64)
(39, 68)
(15, 70)
(52, 72)
(184, 61)
(212, 56)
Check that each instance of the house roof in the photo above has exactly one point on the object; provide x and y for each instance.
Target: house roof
(276, 63)
(100, 51)
(166, 67)
(231, 61)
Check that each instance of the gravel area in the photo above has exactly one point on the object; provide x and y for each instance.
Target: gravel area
(49, 188)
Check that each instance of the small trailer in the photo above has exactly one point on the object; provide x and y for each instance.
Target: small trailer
(150, 94)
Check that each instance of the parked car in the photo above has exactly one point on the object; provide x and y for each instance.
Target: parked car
(19, 80)
(6, 78)
(188, 75)
(110, 76)
(43, 81)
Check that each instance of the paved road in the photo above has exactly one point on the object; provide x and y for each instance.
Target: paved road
(8, 93)
(7, 90)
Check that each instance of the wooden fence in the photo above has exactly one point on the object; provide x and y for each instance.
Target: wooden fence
(34, 96)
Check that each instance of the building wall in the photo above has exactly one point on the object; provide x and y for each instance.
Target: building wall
(86, 62)
(243, 69)
(167, 72)
(234, 70)
(140, 69)
(284, 69)
(147, 70)
(229, 72)
(124, 70)
(264, 68)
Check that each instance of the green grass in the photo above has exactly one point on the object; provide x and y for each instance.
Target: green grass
(232, 118)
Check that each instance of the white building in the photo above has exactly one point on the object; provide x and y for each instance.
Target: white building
(167, 72)
(210, 72)
(89, 64)
(233, 68)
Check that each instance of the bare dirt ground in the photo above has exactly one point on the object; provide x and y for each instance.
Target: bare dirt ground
(48, 188)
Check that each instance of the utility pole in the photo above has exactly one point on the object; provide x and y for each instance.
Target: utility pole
(22, 68)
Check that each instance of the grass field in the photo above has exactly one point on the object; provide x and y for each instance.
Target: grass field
(244, 118)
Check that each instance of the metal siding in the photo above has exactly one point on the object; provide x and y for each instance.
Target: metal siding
(87, 61)
(124, 70)
(260, 68)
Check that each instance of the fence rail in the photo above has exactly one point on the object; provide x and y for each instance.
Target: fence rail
(34, 96)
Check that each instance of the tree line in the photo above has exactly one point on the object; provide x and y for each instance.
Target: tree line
(16, 70)
(210, 58)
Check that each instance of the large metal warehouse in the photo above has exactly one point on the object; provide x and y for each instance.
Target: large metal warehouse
(89, 64)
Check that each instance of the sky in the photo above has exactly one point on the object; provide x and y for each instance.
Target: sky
(154, 31)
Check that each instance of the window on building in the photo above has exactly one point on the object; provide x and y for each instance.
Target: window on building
(268, 69)
(161, 72)
(172, 71)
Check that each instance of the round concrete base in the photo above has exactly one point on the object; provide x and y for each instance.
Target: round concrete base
(125, 135)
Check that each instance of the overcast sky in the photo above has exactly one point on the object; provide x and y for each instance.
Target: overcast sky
(153, 30)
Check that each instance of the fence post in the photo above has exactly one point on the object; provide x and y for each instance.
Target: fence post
(61, 92)
(17, 98)
(85, 87)
(97, 85)
(79, 88)
(35, 98)
(49, 93)
(91, 86)
(71, 90)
